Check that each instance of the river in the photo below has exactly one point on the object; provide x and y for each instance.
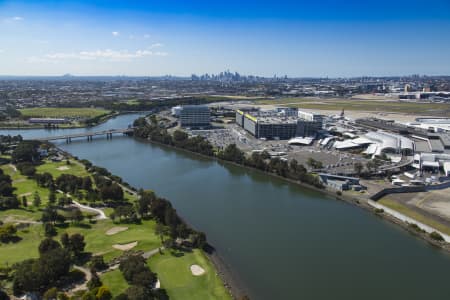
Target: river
(282, 241)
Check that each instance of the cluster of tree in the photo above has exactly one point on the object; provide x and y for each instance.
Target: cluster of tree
(141, 280)
(108, 189)
(7, 198)
(232, 153)
(50, 269)
(163, 212)
(74, 244)
(7, 140)
(179, 139)
(26, 168)
(315, 164)
(125, 213)
(7, 233)
(26, 151)
(262, 161)
(70, 183)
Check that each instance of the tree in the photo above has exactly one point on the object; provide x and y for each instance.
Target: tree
(52, 197)
(103, 293)
(24, 201)
(7, 233)
(3, 295)
(65, 240)
(139, 293)
(49, 230)
(50, 294)
(371, 166)
(98, 263)
(26, 151)
(358, 168)
(47, 245)
(74, 243)
(36, 199)
(136, 271)
(95, 281)
(75, 215)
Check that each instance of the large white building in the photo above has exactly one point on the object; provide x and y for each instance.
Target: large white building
(195, 116)
(379, 142)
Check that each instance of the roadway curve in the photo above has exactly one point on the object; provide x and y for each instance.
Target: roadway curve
(100, 213)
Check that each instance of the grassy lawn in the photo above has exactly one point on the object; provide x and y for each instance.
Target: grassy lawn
(25, 186)
(50, 112)
(24, 249)
(29, 214)
(114, 281)
(362, 105)
(59, 168)
(414, 214)
(175, 276)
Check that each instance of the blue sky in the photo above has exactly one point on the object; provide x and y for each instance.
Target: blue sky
(294, 38)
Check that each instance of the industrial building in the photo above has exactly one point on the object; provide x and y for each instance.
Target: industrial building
(48, 121)
(195, 116)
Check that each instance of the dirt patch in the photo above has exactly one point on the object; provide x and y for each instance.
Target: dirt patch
(115, 230)
(196, 270)
(25, 195)
(63, 168)
(125, 247)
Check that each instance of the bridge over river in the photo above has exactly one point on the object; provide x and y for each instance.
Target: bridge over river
(88, 135)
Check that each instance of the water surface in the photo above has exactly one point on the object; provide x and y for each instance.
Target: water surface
(283, 241)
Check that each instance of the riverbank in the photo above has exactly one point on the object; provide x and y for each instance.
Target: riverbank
(102, 120)
(361, 201)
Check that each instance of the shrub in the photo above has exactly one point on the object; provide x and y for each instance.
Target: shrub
(436, 236)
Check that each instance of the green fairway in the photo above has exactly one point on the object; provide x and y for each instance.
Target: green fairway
(175, 276)
(98, 242)
(13, 215)
(26, 248)
(115, 281)
(50, 112)
(24, 186)
(59, 168)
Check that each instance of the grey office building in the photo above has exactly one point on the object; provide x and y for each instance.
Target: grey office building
(195, 116)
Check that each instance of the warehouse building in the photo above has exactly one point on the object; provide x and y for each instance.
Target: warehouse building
(272, 125)
(48, 121)
(195, 116)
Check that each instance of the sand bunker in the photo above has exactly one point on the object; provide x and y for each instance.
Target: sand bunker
(125, 247)
(63, 168)
(197, 270)
(115, 230)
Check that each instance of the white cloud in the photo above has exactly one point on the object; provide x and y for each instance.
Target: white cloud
(146, 36)
(107, 55)
(13, 19)
(156, 45)
(115, 33)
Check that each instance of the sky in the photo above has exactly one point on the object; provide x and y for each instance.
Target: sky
(266, 38)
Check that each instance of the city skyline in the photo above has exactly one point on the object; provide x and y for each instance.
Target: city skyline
(299, 39)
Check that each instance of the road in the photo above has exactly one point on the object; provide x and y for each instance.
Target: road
(100, 214)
